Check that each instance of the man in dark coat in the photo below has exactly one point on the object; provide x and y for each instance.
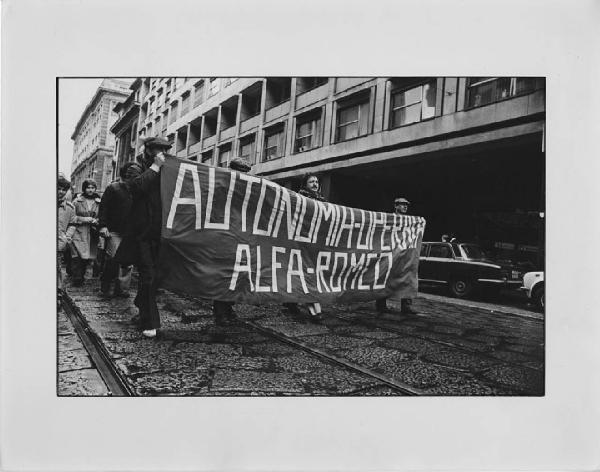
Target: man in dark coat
(142, 243)
(113, 217)
(400, 208)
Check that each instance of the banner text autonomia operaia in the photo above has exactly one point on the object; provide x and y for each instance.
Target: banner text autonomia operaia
(231, 236)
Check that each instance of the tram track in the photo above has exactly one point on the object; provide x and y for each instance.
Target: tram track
(319, 353)
(119, 385)
(115, 381)
(388, 327)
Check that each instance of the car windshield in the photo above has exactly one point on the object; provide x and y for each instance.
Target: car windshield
(472, 251)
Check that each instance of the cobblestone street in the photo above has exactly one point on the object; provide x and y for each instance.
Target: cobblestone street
(450, 348)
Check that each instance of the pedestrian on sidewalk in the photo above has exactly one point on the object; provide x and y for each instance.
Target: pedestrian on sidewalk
(223, 310)
(66, 229)
(141, 244)
(311, 188)
(113, 217)
(400, 208)
(84, 248)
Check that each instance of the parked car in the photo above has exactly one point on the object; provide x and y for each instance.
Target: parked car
(533, 285)
(464, 267)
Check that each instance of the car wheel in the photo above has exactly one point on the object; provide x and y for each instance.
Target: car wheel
(460, 287)
(539, 297)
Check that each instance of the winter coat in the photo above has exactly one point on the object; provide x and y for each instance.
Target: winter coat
(115, 208)
(145, 218)
(66, 223)
(85, 239)
(314, 195)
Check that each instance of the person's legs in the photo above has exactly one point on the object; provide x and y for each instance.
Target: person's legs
(123, 281)
(146, 297)
(78, 269)
(109, 273)
(315, 312)
(381, 305)
(223, 312)
(406, 306)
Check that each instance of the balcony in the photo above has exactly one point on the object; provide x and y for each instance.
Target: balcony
(227, 133)
(194, 148)
(277, 111)
(209, 141)
(250, 123)
(311, 96)
(344, 83)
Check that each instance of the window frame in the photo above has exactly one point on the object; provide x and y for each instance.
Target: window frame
(249, 139)
(278, 129)
(356, 100)
(488, 80)
(400, 90)
(315, 117)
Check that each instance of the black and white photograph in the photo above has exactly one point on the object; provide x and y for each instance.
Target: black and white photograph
(299, 236)
(419, 272)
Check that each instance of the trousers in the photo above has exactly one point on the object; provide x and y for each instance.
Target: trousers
(381, 303)
(145, 299)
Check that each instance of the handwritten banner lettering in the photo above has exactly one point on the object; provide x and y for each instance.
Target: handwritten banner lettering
(231, 236)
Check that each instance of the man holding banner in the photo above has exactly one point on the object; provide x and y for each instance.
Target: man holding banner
(234, 237)
(400, 208)
(141, 245)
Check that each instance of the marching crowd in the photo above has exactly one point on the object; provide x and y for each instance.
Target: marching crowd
(122, 229)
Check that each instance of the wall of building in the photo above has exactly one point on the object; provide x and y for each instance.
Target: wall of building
(93, 141)
(466, 151)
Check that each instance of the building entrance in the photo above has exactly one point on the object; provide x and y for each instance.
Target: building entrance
(492, 195)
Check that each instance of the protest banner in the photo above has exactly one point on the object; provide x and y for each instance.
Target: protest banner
(231, 236)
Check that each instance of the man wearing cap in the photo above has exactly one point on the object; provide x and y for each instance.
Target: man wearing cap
(400, 208)
(223, 310)
(142, 244)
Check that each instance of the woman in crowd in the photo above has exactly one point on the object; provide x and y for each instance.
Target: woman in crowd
(311, 188)
(85, 240)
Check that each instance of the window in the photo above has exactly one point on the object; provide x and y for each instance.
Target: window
(485, 90)
(308, 132)
(207, 157)
(353, 119)
(247, 148)
(440, 250)
(274, 142)
(165, 121)
(224, 155)
(413, 105)
(198, 93)
(185, 103)
(424, 248)
(472, 251)
(215, 86)
(173, 116)
(304, 84)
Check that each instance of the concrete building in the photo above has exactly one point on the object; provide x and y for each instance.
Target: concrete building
(466, 151)
(125, 128)
(93, 144)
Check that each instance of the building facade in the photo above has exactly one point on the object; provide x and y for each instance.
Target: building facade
(125, 128)
(468, 152)
(93, 144)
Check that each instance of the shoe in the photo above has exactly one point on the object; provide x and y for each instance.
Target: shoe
(292, 308)
(149, 333)
(408, 311)
(383, 311)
